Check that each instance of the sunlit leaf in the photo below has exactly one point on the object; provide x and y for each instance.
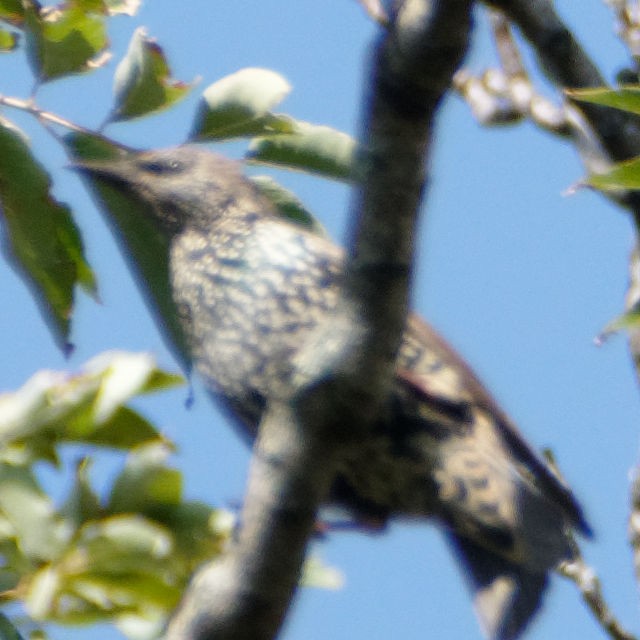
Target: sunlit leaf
(124, 375)
(146, 482)
(240, 104)
(142, 82)
(41, 596)
(124, 429)
(82, 503)
(126, 543)
(63, 40)
(626, 98)
(12, 11)
(38, 532)
(629, 321)
(86, 407)
(8, 40)
(625, 175)
(126, 7)
(317, 574)
(311, 148)
(42, 240)
(147, 625)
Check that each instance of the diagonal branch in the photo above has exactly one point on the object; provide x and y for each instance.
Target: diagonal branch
(588, 583)
(569, 67)
(345, 372)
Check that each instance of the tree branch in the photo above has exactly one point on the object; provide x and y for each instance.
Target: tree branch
(46, 117)
(345, 371)
(588, 583)
(569, 67)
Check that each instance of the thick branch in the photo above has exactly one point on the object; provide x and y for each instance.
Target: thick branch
(246, 594)
(343, 373)
(413, 69)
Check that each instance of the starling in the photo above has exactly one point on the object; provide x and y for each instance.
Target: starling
(250, 286)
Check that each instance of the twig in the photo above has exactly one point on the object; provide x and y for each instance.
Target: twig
(628, 25)
(587, 581)
(568, 66)
(30, 107)
(508, 52)
(506, 95)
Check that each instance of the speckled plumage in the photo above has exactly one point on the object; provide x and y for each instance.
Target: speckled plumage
(250, 286)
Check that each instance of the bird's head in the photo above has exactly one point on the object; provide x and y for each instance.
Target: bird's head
(181, 186)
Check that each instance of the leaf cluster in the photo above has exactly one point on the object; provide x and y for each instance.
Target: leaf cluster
(618, 178)
(125, 555)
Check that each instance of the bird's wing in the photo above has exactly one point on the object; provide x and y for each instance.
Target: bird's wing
(431, 368)
(505, 595)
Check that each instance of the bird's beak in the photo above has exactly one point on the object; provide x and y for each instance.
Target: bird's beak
(98, 168)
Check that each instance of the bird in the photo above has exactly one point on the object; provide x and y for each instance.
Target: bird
(250, 285)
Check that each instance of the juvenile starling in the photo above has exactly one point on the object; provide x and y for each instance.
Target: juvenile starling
(250, 287)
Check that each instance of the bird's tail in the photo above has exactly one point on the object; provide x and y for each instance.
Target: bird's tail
(505, 595)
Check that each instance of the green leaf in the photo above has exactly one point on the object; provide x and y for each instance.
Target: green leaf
(122, 376)
(629, 321)
(311, 148)
(7, 630)
(240, 104)
(146, 249)
(142, 83)
(11, 11)
(147, 624)
(288, 205)
(54, 407)
(200, 532)
(43, 242)
(317, 574)
(113, 595)
(626, 98)
(125, 430)
(38, 532)
(63, 40)
(625, 175)
(117, 564)
(126, 7)
(8, 40)
(125, 544)
(84, 146)
(82, 503)
(146, 483)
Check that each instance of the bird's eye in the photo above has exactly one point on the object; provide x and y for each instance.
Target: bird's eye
(160, 167)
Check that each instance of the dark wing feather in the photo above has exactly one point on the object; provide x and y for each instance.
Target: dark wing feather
(505, 595)
(437, 372)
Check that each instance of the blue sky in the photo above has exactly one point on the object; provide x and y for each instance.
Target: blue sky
(517, 276)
